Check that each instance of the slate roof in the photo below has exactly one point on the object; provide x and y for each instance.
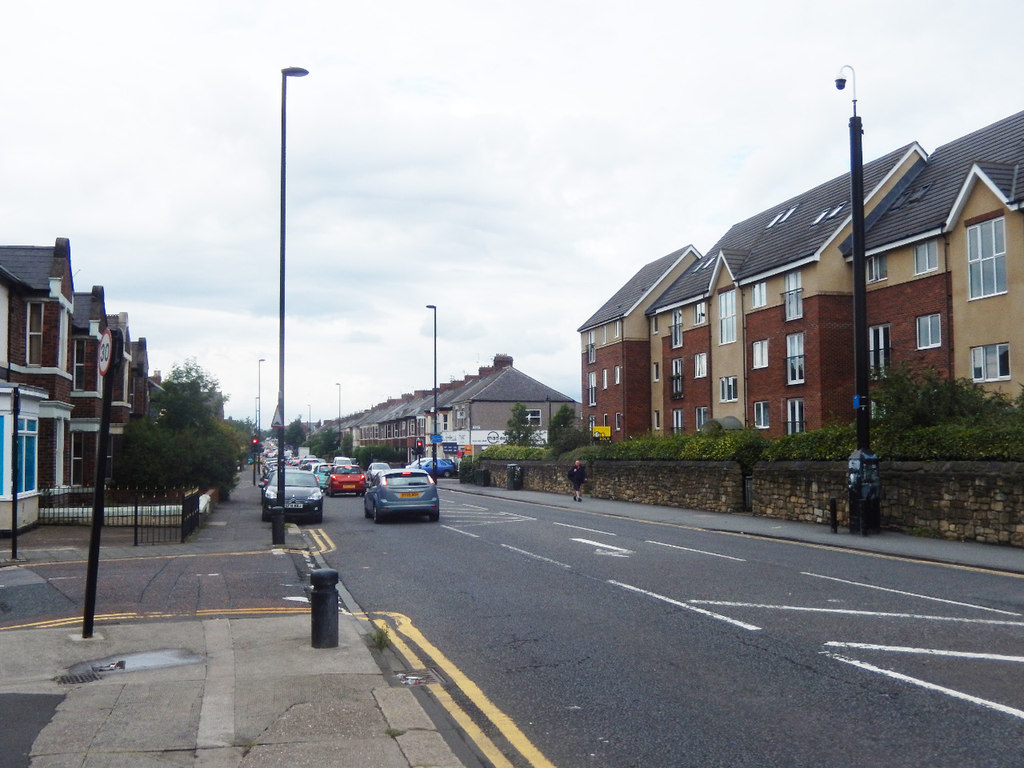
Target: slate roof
(30, 265)
(88, 307)
(998, 149)
(638, 286)
(508, 385)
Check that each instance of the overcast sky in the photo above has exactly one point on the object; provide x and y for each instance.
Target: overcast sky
(513, 163)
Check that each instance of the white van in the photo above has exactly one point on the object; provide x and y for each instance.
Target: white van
(342, 460)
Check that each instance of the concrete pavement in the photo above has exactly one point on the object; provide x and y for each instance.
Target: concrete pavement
(217, 689)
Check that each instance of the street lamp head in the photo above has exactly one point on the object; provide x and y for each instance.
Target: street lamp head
(294, 72)
(431, 306)
(840, 83)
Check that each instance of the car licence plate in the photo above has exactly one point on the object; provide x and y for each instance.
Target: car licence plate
(408, 495)
(293, 505)
(346, 486)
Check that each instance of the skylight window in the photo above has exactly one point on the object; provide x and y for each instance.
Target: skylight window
(781, 217)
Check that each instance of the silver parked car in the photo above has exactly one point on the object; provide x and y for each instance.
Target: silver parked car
(395, 492)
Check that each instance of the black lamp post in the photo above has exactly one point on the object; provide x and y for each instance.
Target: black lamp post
(863, 480)
(277, 517)
(338, 385)
(433, 442)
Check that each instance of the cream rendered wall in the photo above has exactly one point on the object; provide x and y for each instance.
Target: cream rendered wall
(727, 359)
(994, 319)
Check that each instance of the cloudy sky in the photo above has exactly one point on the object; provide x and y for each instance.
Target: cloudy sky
(513, 163)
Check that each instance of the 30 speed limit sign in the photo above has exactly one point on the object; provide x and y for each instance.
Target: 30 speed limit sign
(106, 352)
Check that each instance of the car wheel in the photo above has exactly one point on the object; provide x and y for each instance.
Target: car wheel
(435, 516)
(377, 519)
(362, 493)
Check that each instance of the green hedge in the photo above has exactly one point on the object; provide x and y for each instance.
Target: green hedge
(947, 442)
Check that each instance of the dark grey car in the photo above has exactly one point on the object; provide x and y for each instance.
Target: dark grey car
(303, 499)
(395, 492)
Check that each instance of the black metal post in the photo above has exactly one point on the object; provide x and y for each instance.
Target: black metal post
(277, 515)
(323, 603)
(102, 449)
(861, 402)
(15, 475)
(433, 444)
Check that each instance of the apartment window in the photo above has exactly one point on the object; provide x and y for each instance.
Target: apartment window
(654, 325)
(759, 295)
(677, 329)
(926, 257)
(618, 374)
(79, 366)
(991, 362)
(78, 458)
(28, 435)
(592, 388)
(617, 329)
(795, 358)
(604, 378)
(700, 313)
(877, 268)
(759, 353)
(761, 414)
(700, 416)
(604, 334)
(729, 389)
(618, 422)
(657, 420)
(677, 377)
(795, 416)
(677, 420)
(986, 259)
(793, 296)
(591, 348)
(879, 348)
(34, 340)
(604, 420)
(700, 365)
(727, 317)
(656, 372)
(929, 331)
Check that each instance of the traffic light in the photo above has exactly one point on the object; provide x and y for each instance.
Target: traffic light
(419, 447)
(255, 444)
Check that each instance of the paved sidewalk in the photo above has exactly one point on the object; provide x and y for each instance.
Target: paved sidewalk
(218, 689)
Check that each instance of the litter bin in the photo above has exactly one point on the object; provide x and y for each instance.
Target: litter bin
(515, 477)
(482, 477)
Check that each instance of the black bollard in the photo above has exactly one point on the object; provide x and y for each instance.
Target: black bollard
(832, 518)
(277, 528)
(324, 608)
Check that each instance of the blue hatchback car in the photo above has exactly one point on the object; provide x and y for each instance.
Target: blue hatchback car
(401, 491)
(445, 467)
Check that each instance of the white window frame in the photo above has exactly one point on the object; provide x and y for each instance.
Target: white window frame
(926, 257)
(592, 388)
(876, 268)
(618, 374)
(700, 416)
(990, 362)
(986, 259)
(795, 418)
(700, 313)
(759, 295)
(793, 294)
(677, 420)
(761, 414)
(700, 365)
(795, 359)
(34, 328)
(727, 317)
(929, 331)
(759, 354)
(728, 389)
(656, 371)
(677, 329)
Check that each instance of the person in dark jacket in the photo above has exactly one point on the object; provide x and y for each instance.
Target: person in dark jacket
(577, 476)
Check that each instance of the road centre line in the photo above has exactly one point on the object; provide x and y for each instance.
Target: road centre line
(686, 606)
(850, 612)
(608, 548)
(698, 551)
(535, 556)
(588, 530)
(464, 533)
(927, 651)
(909, 594)
(930, 686)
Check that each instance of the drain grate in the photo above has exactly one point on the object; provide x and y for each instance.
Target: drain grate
(420, 677)
(75, 679)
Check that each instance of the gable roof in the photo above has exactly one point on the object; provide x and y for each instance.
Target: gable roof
(34, 265)
(996, 150)
(636, 289)
(508, 385)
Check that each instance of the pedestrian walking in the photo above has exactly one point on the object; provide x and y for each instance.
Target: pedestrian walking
(577, 476)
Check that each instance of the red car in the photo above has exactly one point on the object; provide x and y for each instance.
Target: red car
(347, 478)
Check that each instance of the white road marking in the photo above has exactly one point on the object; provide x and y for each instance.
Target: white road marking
(929, 686)
(536, 556)
(464, 533)
(909, 594)
(850, 612)
(606, 549)
(588, 530)
(698, 551)
(686, 606)
(927, 651)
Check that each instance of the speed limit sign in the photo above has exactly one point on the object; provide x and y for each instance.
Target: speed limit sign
(106, 352)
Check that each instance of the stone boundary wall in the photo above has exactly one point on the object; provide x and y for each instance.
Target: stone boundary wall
(958, 500)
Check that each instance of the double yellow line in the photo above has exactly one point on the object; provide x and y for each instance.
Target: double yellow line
(501, 721)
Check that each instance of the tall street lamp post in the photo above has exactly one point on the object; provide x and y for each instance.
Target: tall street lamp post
(259, 395)
(862, 478)
(433, 440)
(338, 385)
(277, 518)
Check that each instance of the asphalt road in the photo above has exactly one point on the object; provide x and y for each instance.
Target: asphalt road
(615, 642)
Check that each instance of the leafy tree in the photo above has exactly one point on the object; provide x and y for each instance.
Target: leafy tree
(295, 433)
(189, 445)
(519, 430)
(566, 431)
